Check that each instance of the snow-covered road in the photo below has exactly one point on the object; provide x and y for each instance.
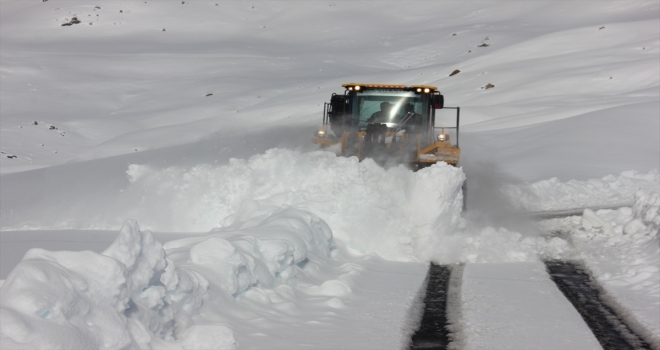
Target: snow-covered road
(194, 118)
(518, 305)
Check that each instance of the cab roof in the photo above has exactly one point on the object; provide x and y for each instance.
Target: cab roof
(388, 86)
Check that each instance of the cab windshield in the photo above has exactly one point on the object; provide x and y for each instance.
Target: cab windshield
(385, 107)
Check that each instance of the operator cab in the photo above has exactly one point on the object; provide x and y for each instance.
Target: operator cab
(389, 122)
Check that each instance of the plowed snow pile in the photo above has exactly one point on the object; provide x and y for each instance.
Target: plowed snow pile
(277, 220)
(622, 249)
(394, 213)
(134, 295)
(552, 194)
(273, 247)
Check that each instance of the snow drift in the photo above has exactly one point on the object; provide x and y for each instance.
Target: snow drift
(272, 214)
(137, 294)
(393, 212)
(610, 190)
(621, 248)
(275, 215)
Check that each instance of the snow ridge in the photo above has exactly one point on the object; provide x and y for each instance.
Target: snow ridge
(137, 294)
(552, 194)
(621, 248)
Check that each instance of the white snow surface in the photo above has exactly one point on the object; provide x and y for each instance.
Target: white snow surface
(522, 318)
(622, 250)
(555, 195)
(279, 268)
(394, 213)
(195, 116)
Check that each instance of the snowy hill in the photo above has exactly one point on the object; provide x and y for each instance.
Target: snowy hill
(196, 116)
(122, 84)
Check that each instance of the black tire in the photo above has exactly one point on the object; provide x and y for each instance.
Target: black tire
(464, 190)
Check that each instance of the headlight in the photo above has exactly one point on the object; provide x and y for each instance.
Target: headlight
(427, 90)
(357, 87)
(442, 137)
(419, 90)
(320, 133)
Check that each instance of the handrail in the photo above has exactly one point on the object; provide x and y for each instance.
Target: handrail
(458, 121)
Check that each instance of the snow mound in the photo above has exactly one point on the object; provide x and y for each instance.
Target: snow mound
(259, 250)
(115, 300)
(622, 249)
(139, 294)
(552, 194)
(394, 212)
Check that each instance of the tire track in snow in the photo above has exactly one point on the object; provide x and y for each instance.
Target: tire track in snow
(433, 332)
(579, 288)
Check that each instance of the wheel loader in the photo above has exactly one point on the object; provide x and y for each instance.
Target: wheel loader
(392, 124)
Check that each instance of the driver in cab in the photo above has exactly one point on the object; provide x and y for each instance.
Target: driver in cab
(382, 116)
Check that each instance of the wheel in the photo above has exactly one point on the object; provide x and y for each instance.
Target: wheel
(464, 191)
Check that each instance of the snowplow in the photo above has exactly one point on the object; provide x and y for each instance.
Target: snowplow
(392, 124)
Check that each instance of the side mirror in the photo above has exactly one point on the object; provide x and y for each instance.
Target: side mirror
(337, 104)
(438, 101)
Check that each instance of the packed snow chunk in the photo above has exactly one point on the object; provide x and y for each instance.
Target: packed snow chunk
(144, 257)
(647, 208)
(208, 337)
(490, 245)
(281, 226)
(258, 247)
(608, 191)
(237, 268)
(118, 299)
(592, 221)
(139, 252)
(66, 300)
